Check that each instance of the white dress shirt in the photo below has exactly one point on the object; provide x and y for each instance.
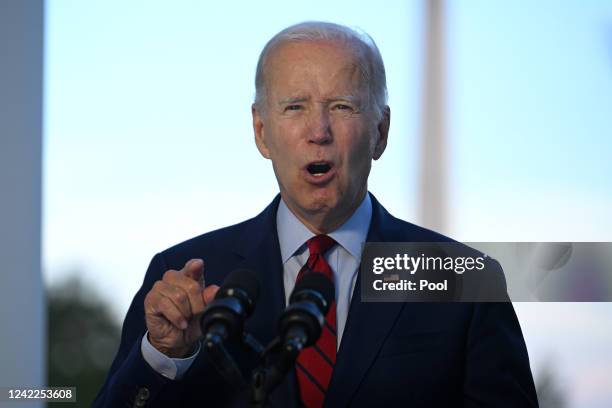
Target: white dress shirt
(343, 258)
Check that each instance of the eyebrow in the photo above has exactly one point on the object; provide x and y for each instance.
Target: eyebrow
(292, 100)
(348, 98)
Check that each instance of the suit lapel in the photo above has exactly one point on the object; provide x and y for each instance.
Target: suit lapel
(367, 327)
(260, 250)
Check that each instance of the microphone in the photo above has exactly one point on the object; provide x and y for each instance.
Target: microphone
(301, 323)
(299, 326)
(234, 302)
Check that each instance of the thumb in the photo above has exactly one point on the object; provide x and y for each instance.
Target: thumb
(194, 269)
(209, 292)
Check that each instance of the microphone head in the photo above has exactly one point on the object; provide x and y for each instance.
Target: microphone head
(243, 284)
(317, 284)
(301, 323)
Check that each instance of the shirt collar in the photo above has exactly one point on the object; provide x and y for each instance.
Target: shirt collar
(351, 235)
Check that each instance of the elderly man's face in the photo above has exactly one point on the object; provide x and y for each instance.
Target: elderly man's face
(318, 131)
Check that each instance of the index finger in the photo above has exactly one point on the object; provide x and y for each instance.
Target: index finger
(194, 269)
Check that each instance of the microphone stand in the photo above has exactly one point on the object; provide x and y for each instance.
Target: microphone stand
(223, 362)
(267, 377)
(302, 321)
(277, 360)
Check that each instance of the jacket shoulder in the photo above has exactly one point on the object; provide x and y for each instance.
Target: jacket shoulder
(209, 240)
(217, 243)
(398, 230)
(406, 230)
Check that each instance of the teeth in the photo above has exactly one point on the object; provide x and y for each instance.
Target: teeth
(318, 174)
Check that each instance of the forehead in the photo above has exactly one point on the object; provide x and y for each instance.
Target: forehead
(314, 66)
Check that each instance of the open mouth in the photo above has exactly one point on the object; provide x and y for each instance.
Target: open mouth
(318, 169)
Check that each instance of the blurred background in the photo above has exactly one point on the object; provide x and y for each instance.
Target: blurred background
(140, 137)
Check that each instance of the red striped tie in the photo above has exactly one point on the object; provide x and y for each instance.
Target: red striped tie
(315, 364)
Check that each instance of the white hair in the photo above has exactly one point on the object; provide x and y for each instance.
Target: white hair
(369, 59)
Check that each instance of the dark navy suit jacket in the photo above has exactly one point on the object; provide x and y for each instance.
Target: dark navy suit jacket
(392, 354)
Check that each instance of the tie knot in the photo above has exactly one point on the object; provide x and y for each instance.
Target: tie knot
(320, 244)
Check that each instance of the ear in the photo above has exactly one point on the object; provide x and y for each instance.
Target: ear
(258, 130)
(383, 133)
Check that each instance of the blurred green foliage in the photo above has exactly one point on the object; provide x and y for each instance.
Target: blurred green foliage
(83, 338)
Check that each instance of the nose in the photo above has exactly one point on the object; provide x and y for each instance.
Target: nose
(320, 131)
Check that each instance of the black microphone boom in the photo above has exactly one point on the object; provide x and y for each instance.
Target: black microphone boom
(234, 302)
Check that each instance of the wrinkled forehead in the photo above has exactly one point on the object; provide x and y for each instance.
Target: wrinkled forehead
(333, 64)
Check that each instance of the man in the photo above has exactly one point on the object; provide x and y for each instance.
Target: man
(320, 116)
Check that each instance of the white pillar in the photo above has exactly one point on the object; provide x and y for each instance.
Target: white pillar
(433, 177)
(22, 303)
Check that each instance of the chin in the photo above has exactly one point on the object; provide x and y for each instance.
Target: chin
(322, 200)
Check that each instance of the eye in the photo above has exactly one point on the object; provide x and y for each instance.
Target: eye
(293, 107)
(342, 106)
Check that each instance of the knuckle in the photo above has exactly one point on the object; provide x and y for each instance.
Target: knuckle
(169, 274)
(193, 287)
(165, 306)
(152, 299)
(157, 286)
(161, 302)
(179, 296)
(148, 298)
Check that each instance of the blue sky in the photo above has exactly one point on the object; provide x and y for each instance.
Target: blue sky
(148, 137)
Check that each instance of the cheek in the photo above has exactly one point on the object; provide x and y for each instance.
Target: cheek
(358, 158)
(275, 143)
(284, 137)
(360, 148)
(283, 152)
